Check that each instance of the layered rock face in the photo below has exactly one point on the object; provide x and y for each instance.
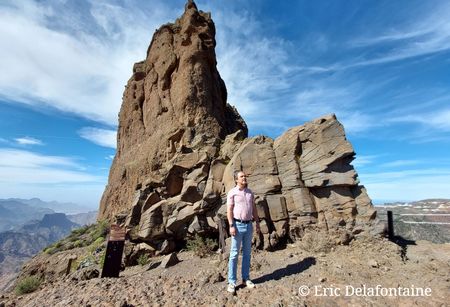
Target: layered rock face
(174, 111)
(179, 143)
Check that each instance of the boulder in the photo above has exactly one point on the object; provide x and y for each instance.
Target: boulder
(277, 207)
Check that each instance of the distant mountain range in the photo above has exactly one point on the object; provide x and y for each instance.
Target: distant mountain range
(23, 243)
(14, 212)
(68, 208)
(29, 225)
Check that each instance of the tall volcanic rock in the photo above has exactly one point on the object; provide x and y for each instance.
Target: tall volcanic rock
(179, 143)
(174, 103)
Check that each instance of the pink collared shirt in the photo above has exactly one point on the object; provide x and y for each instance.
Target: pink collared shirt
(243, 203)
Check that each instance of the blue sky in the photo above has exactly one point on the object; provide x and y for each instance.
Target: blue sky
(380, 66)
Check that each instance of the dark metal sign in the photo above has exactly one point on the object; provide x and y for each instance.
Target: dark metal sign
(114, 251)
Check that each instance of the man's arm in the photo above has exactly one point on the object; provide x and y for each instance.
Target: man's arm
(230, 218)
(255, 214)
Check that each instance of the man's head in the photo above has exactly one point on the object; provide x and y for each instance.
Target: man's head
(240, 178)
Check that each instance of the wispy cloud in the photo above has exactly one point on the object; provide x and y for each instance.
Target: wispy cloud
(67, 66)
(254, 66)
(427, 33)
(361, 161)
(102, 137)
(408, 184)
(28, 174)
(439, 120)
(28, 141)
(407, 174)
(400, 163)
(24, 167)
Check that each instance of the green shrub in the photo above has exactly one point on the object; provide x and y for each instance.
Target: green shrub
(51, 250)
(27, 285)
(101, 261)
(200, 246)
(96, 244)
(80, 231)
(143, 259)
(78, 243)
(100, 230)
(93, 236)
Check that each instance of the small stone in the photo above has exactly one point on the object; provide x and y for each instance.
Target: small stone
(322, 279)
(216, 277)
(169, 260)
(373, 263)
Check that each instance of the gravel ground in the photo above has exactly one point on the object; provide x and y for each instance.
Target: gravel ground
(298, 275)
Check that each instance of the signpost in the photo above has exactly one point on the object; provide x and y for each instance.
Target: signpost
(114, 250)
(390, 226)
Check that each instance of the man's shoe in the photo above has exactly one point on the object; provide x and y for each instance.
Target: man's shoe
(250, 284)
(231, 288)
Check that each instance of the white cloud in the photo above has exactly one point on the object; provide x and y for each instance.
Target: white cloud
(102, 137)
(361, 161)
(400, 163)
(26, 174)
(14, 158)
(253, 65)
(411, 174)
(332, 95)
(439, 119)
(64, 65)
(408, 185)
(43, 175)
(28, 141)
(427, 34)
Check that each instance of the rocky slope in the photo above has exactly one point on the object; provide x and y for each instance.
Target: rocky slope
(16, 247)
(281, 277)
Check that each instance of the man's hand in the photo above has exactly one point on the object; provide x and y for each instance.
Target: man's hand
(232, 231)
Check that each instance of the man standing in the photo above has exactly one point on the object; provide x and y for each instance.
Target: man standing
(241, 212)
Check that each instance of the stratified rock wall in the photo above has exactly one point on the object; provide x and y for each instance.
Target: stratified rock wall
(179, 143)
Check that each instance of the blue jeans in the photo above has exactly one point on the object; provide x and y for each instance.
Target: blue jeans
(244, 233)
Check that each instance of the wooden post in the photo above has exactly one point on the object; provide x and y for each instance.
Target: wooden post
(114, 250)
(222, 233)
(390, 225)
(69, 263)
